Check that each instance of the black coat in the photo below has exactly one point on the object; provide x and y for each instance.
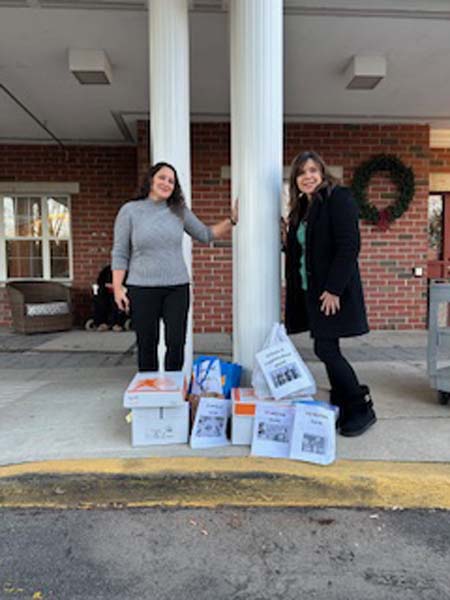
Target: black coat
(332, 248)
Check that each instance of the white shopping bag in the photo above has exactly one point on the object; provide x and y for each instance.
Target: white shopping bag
(288, 375)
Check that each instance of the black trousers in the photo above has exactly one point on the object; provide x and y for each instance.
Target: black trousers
(148, 306)
(342, 377)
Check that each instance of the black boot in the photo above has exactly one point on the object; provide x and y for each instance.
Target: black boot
(336, 399)
(359, 414)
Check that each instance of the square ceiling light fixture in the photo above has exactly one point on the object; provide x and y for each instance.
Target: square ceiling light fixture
(90, 67)
(365, 72)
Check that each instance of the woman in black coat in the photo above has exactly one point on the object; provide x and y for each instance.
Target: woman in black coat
(323, 284)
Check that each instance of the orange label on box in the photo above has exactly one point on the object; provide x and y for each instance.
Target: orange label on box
(247, 410)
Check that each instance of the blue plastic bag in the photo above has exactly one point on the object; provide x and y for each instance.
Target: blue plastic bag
(204, 366)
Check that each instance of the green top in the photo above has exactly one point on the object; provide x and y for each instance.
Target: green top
(301, 237)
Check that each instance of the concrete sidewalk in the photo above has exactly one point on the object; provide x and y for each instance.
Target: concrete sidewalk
(61, 399)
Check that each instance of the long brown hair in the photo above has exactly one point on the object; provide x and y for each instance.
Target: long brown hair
(298, 202)
(176, 201)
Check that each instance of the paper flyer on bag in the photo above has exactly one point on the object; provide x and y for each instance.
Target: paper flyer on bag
(207, 378)
(313, 434)
(272, 430)
(283, 369)
(210, 423)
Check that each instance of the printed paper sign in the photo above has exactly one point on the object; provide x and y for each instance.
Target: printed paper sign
(272, 430)
(314, 433)
(210, 423)
(284, 370)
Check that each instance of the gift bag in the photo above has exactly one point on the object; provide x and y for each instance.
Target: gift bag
(281, 373)
(231, 377)
(212, 376)
(206, 376)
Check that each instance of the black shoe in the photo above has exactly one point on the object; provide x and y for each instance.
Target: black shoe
(337, 400)
(359, 416)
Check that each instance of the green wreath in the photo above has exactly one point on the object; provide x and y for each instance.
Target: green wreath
(401, 175)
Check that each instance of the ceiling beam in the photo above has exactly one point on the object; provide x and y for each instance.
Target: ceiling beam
(30, 114)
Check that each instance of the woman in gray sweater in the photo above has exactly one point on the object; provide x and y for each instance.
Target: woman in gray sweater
(148, 235)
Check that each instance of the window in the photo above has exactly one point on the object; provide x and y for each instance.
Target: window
(435, 220)
(35, 237)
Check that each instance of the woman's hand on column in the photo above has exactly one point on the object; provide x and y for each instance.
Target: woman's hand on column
(284, 231)
(235, 212)
(330, 303)
(223, 228)
(121, 299)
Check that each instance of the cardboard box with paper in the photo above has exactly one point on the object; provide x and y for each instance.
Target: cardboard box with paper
(159, 412)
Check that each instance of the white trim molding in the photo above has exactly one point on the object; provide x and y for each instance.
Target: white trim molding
(439, 182)
(439, 138)
(336, 170)
(39, 187)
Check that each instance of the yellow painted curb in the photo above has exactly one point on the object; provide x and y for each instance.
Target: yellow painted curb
(211, 482)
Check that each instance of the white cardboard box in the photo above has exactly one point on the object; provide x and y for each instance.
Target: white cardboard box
(242, 415)
(150, 389)
(164, 425)
(244, 403)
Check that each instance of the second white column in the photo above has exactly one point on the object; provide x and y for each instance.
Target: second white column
(257, 109)
(169, 107)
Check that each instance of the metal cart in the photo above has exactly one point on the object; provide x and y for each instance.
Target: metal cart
(439, 339)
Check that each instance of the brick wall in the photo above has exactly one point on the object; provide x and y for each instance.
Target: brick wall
(211, 202)
(440, 161)
(107, 177)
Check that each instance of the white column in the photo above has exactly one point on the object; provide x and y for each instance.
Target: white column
(257, 129)
(234, 129)
(169, 108)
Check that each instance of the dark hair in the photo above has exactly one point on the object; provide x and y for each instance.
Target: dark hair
(298, 202)
(176, 201)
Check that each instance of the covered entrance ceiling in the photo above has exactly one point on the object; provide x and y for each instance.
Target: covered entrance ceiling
(36, 35)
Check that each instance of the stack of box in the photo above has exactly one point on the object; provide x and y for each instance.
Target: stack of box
(243, 410)
(159, 411)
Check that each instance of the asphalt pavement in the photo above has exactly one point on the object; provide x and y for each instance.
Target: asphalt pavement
(227, 554)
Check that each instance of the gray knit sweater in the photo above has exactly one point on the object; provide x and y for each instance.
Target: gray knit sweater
(148, 239)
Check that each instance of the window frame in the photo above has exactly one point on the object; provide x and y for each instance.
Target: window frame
(45, 237)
